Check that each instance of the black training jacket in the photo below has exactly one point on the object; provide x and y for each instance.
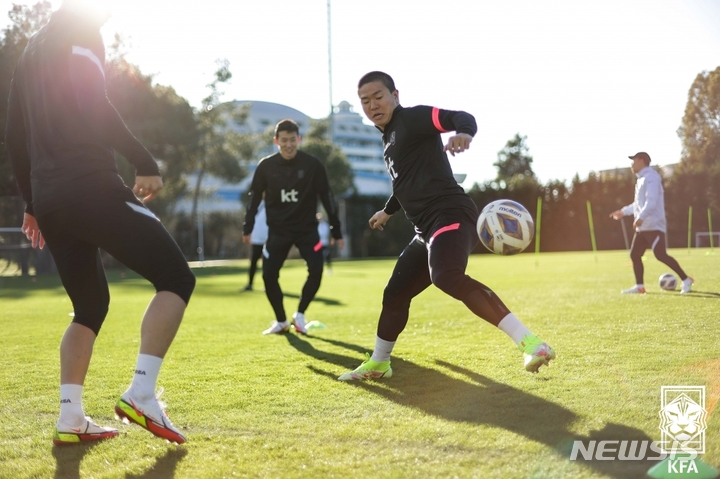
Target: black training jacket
(61, 127)
(292, 189)
(422, 179)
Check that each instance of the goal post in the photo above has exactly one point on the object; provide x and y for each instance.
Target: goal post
(705, 239)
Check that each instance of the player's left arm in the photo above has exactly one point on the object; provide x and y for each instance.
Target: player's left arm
(432, 120)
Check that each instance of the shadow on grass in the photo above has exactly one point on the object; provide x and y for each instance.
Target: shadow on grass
(164, 467)
(319, 299)
(477, 399)
(702, 294)
(691, 294)
(20, 287)
(68, 459)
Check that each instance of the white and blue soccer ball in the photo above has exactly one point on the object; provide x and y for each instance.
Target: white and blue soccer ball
(505, 227)
(668, 282)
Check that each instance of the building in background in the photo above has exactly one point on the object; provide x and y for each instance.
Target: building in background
(361, 143)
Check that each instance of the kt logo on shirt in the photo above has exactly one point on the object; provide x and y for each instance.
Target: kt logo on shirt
(289, 196)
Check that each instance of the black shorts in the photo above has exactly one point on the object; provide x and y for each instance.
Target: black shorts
(121, 225)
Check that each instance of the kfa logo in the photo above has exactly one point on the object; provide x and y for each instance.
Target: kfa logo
(289, 196)
(391, 141)
(683, 419)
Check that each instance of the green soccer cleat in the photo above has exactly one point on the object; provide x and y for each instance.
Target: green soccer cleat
(369, 369)
(536, 352)
(89, 431)
(149, 414)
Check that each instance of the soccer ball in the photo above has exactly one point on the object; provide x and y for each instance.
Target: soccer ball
(505, 227)
(668, 282)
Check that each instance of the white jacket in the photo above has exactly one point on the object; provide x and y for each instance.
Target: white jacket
(259, 233)
(649, 204)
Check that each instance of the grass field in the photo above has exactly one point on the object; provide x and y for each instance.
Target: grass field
(459, 403)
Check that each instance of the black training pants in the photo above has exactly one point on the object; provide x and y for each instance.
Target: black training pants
(277, 248)
(441, 259)
(121, 225)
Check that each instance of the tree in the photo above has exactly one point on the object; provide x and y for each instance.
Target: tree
(163, 122)
(700, 128)
(696, 179)
(338, 167)
(24, 22)
(221, 152)
(514, 163)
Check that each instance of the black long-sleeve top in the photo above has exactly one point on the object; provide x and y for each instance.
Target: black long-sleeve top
(61, 127)
(292, 188)
(422, 179)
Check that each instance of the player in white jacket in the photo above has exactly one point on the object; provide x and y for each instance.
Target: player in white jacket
(650, 225)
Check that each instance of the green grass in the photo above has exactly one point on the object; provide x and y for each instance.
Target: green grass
(459, 403)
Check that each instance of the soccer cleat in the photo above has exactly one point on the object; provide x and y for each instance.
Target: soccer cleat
(634, 290)
(249, 287)
(148, 414)
(299, 323)
(89, 431)
(369, 369)
(278, 328)
(687, 285)
(536, 352)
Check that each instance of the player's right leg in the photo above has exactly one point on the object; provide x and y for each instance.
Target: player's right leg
(83, 277)
(276, 251)
(637, 249)
(410, 277)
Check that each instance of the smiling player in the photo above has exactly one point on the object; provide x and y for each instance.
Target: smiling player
(292, 182)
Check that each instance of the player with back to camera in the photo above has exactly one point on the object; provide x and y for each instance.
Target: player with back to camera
(648, 209)
(292, 182)
(61, 132)
(445, 222)
(258, 237)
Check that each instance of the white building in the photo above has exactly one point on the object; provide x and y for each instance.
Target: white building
(362, 145)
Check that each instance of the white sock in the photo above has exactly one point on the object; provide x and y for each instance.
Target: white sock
(146, 375)
(382, 350)
(513, 327)
(299, 315)
(641, 285)
(71, 410)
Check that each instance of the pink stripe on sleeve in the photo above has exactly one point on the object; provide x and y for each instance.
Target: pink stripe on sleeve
(318, 246)
(436, 120)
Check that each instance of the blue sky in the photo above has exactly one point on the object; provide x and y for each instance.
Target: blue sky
(588, 82)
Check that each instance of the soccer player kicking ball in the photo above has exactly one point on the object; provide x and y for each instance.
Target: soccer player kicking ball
(444, 217)
(60, 136)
